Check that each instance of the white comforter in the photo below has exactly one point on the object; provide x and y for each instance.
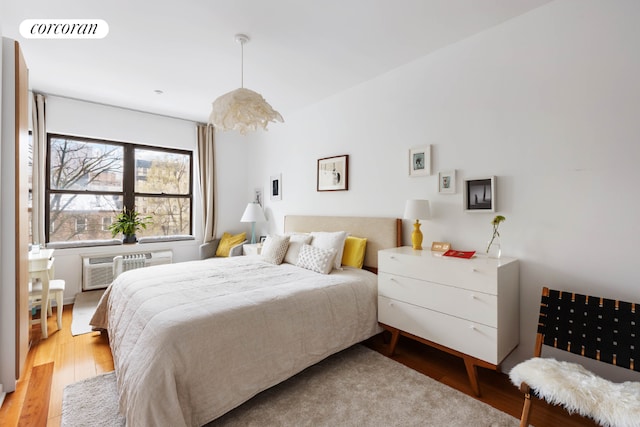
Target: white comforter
(193, 340)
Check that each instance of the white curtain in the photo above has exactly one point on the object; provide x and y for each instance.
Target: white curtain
(206, 156)
(39, 158)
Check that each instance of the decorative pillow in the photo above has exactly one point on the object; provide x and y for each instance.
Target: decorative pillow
(354, 251)
(274, 249)
(316, 259)
(228, 241)
(330, 240)
(295, 243)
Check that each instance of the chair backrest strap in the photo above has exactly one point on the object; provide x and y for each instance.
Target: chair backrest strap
(599, 328)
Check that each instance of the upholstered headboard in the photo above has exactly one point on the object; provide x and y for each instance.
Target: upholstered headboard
(381, 233)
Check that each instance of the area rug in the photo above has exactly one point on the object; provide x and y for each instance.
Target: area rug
(356, 387)
(83, 307)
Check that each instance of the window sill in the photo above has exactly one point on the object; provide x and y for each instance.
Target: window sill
(116, 242)
(157, 239)
(83, 244)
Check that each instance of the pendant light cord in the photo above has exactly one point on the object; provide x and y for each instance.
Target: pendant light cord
(242, 63)
(242, 39)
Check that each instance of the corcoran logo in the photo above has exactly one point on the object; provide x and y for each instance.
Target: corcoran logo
(64, 29)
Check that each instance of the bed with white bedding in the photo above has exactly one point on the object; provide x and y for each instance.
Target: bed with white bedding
(193, 340)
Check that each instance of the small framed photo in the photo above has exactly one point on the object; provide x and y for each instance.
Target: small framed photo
(420, 161)
(276, 187)
(480, 194)
(333, 173)
(447, 182)
(440, 246)
(262, 239)
(257, 196)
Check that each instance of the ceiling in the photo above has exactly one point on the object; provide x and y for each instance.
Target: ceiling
(301, 51)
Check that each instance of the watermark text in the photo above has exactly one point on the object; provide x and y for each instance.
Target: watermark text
(64, 28)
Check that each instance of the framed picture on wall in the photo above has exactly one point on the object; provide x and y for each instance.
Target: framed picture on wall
(333, 173)
(257, 196)
(480, 194)
(420, 161)
(447, 182)
(275, 187)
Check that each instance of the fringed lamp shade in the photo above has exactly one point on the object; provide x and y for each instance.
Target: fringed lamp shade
(242, 110)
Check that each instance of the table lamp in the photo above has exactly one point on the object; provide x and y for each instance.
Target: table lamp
(417, 209)
(253, 213)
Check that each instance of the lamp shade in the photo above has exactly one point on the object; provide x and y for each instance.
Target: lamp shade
(253, 213)
(417, 209)
(242, 110)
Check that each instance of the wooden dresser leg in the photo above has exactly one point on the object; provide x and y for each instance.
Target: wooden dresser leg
(472, 372)
(395, 334)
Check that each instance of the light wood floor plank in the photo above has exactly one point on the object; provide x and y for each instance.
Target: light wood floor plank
(35, 408)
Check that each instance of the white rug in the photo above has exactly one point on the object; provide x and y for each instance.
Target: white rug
(356, 387)
(83, 308)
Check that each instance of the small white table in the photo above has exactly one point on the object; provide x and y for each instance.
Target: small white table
(251, 249)
(39, 265)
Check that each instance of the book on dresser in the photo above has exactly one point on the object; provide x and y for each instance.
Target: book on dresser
(467, 307)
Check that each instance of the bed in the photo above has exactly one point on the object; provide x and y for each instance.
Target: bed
(193, 340)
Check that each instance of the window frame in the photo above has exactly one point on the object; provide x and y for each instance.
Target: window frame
(128, 192)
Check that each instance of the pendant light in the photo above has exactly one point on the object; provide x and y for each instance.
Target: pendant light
(242, 109)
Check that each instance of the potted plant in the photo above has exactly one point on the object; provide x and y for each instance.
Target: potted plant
(128, 222)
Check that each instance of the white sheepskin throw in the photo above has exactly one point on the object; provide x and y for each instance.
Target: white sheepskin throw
(579, 390)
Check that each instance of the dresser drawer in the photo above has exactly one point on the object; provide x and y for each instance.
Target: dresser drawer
(474, 274)
(458, 302)
(467, 337)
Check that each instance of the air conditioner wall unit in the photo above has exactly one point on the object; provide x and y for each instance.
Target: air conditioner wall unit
(98, 271)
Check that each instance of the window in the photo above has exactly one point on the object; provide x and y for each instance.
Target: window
(81, 225)
(106, 222)
(89, 181)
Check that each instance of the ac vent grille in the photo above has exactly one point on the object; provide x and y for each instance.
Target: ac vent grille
(101, 260)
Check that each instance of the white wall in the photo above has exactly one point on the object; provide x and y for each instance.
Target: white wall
(73, 117)
(548, 102)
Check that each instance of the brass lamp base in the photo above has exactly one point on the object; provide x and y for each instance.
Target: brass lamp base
(416, 236)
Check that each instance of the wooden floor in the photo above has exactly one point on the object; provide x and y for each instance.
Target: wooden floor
(74, 359)
(63, 359)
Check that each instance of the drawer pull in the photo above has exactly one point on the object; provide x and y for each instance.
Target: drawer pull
(472, 296)
(472, 327)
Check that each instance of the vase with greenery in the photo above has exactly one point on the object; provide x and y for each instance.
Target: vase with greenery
(128, 222)
(493, 247)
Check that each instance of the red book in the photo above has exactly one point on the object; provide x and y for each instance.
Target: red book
(459, 254)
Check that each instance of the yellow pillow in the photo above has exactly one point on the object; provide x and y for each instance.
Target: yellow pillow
(354, 250)
(228, 241)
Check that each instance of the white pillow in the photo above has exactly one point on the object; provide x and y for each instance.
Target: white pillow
(316, 259)
(295, 243)
(330, 240)
(274, 248)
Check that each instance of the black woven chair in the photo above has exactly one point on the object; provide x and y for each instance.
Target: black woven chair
(598, 328)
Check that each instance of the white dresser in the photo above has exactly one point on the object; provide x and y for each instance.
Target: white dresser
(468, 307)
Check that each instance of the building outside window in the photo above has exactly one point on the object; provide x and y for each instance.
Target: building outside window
(90, 181)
